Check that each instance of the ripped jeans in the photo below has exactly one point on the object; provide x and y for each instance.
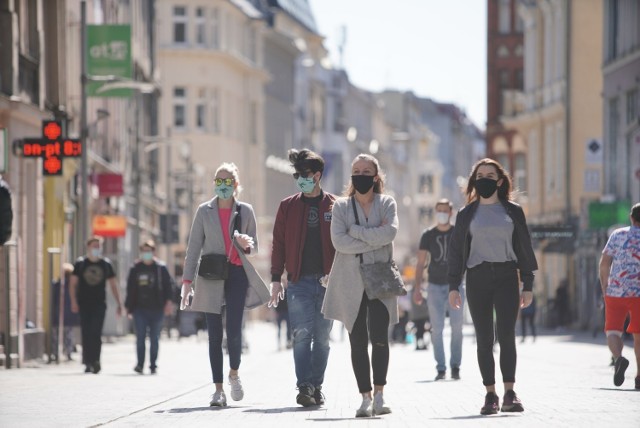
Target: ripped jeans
(374, 314)
(310, 330)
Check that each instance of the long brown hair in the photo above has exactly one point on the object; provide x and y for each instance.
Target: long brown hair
(504, 190)
(378, 186)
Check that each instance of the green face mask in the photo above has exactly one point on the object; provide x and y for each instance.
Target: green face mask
(306, 185)
(224, 192)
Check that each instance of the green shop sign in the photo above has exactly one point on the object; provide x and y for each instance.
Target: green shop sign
(603, 215)
(109, 54)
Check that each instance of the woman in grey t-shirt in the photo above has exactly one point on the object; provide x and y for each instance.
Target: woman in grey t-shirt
(491, 243)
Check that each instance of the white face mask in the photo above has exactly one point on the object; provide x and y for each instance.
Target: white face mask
(442, 218)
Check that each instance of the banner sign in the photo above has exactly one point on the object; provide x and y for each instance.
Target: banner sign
(109, 54)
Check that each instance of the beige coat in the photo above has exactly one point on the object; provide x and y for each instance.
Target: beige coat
(345, 287)
(206, 238)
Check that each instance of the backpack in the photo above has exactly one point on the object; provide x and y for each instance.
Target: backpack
(6, 213)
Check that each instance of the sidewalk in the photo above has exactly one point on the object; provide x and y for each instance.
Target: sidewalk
(562, 380)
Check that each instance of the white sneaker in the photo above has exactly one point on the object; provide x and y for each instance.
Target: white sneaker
(236, 388)
(218, 399)
(365, 408)
(378, 405)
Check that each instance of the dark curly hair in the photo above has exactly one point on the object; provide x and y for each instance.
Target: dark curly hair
(305, 159)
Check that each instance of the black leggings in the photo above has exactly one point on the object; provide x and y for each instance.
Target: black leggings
(374, 314)
(494, 286)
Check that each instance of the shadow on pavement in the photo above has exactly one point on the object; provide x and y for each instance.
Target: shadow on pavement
(342, 419)
(501, 415)
(194, 409)
(631, 389)
(285, 409)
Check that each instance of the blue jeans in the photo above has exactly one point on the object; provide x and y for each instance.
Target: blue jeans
(151, 320)
(438, 303)
(304, 299)
(235, 294)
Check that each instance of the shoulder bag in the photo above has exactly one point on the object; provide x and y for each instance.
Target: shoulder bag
(381, 280)
(216, 266)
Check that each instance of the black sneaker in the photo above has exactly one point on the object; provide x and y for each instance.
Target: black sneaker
(455, 373)
(87, 369)
(95, 369)
(305, 396)
(637, 382)
(138, 369)
(441, 375)
(620, 367)
(511, 402)
(491, 404)
(153, 370)
(318, 396)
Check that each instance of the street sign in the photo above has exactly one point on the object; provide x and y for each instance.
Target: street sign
(51, 147)
(605, 214)
(109, 54)
(111, 226)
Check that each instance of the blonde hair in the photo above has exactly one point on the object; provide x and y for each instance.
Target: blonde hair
(232, 169)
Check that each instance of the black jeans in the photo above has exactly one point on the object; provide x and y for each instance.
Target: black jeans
(494, 286)
(527, 318)
(91, 322)
(374, 314)
(235, 293)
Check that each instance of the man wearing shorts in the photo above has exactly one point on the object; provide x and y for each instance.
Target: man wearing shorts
(620, 282)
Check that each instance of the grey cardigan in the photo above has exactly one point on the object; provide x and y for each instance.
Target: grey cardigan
(206, 238)
(345, 287)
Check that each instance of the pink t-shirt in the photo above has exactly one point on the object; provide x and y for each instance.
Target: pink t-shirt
(225, 216)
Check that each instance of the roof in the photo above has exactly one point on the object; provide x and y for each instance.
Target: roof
(247, 8)
(299, 10)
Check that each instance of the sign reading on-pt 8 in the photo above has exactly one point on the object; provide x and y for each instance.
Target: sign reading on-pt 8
(51, 147)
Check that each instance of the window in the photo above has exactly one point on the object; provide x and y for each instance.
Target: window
(338, 118)
(201, 37)
(632, 106)
(504, 79)
(612, 144)
(179, 108)
(520, 172)
(201, 110)
(503, 159)
(504, 16)
(519, 24)
(215, 111)
(519, 79)
(215, 29)
(519, 51)
(426, 184)
(251, 44)
(253, 123)
(180, 24)
(503, 51)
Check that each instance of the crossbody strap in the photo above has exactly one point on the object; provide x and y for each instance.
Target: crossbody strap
(236, 226)
(355, 213)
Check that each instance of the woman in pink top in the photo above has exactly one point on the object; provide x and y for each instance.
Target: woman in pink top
(225, 226)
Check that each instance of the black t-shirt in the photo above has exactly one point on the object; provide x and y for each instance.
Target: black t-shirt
(92, 280)
(312, 251)
(148, 285)
(436, 243)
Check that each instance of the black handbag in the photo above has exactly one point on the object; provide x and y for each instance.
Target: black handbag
(383, 279)
(216, 266)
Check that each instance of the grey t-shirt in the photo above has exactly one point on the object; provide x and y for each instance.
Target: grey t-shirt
(491, 235)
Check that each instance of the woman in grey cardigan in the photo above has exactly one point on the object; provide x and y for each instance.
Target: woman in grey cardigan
(345, 299)
(216, 230)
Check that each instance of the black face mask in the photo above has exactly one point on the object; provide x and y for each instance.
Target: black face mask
(485, 187)
(362, 183)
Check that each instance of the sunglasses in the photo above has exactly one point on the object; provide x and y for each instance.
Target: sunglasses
(227, 181)
(305, 174)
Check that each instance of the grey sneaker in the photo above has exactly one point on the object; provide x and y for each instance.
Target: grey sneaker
(378, 407)
(441, 375)
(218, 399)
(365, 410)
(236, 388)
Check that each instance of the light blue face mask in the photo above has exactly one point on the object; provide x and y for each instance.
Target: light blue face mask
(146, 256)
(306, 185)
(224, 192)
(96, 252)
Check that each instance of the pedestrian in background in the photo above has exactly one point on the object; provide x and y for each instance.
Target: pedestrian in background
(620, 282)
(366, 320)
(6, 212)
(282, 317)
(419, 315)
(226, 226)
(302, 246)
(70, 320)
(432, 253)
(491, 242)
(87, 290)
(148, 300)
(528, 316)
